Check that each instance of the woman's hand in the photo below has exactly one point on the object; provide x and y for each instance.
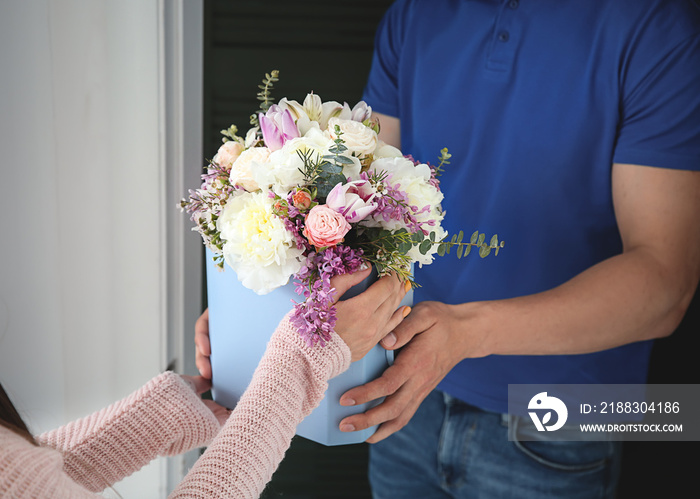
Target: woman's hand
(199, 385)
(367, 318)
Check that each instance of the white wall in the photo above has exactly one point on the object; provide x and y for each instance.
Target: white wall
(84, 208)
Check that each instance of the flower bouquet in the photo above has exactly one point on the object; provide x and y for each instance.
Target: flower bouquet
(308, 193)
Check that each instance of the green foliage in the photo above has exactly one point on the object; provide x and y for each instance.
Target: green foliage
(326, 172)
(387, 251)
(231, 134)
(444, 159)
(463, 248)
(265, 95)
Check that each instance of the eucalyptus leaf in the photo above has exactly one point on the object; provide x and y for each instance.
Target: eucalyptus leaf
(424, 246)
(474, 237)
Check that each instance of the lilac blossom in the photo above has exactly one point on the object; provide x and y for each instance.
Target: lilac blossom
(315, 317)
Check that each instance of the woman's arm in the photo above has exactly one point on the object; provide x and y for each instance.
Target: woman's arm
(165, 417)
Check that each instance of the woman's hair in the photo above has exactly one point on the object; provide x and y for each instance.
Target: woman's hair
(10, 418)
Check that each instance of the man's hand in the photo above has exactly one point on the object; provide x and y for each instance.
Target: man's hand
(432, 344)
(202, 345)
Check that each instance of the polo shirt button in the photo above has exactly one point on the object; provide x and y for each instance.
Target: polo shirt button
(513, 4)
(504, 36)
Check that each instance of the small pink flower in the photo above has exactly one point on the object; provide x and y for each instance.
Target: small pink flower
(354, 200)
(302, 199)
(325, 227)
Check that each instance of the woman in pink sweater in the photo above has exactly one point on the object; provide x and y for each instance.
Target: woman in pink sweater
(167, 416)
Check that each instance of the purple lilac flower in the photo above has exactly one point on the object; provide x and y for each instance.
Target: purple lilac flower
(315, 318)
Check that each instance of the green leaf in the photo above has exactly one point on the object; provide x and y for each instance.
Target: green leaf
(424, 246)
(480, 241)
(484, 251)
(472, 240)
(454, 239)
(460, 251)
(494, 241)
(460, 236)
(441, 249)
(343, 160)
(468, 250)
(432, 236)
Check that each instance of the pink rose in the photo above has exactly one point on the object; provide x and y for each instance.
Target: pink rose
(228, 154)
(325, 227)
(354, 200)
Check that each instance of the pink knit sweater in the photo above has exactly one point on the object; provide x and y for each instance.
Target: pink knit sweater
(166, 417)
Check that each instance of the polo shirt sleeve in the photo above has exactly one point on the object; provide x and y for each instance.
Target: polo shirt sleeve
(382, 88)
(660, 106)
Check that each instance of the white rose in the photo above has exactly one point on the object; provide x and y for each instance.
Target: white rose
(228, 153)
(359, 139)
(257, 245)
(245, 168)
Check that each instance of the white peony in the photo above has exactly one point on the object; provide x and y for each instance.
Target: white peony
(359, 139)
(414, 181)
(257, 245)
(245, 168)
(284, 171)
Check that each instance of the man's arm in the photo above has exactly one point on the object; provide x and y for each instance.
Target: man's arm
(389, 129)
(640, 294)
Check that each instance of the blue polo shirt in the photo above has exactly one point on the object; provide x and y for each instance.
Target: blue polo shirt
(536, 100)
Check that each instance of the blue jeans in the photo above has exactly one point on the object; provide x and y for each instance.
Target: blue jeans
(450, 449)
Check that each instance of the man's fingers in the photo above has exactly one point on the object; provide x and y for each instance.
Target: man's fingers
(390, 427)
(201, 334)
(392, 415)
(414, 323)
(202, 345)
(390, 340)
(388, 383)
(203, 365)
(198, 383)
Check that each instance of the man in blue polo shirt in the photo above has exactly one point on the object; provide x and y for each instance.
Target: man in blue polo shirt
(575, 134)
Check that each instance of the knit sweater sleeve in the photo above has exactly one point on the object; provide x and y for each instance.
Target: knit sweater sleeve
(288, 384)
(164, 417)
